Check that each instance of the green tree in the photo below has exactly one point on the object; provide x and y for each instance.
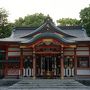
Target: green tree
(68, 22)
(3, 16)
(34, 20)
(5, 27)
(19, 22)
(85, 18)
(5, 31)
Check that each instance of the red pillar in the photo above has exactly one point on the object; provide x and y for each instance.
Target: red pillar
(75, 60)
(89, 56)
(34, 64)
(62, 66)
(21, 62)
(6, 64)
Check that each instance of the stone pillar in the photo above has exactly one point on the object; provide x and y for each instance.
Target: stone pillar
(34, 64)
(61, 62)
(21, 62)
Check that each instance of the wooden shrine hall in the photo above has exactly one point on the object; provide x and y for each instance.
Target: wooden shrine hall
(48, 51)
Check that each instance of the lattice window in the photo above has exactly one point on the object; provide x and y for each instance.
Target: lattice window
(83, 61)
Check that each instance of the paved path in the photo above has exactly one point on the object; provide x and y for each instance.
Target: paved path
(47, 84)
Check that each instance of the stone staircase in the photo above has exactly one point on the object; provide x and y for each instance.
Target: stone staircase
(48, 84)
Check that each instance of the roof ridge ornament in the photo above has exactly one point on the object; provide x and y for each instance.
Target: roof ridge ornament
(48, 19)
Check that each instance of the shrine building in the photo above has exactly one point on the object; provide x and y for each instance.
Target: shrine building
(48, 51)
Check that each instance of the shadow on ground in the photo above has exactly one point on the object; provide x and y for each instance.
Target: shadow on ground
(85, 82)
(7, 82)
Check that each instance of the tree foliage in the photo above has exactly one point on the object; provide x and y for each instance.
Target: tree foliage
(5, 31)
(3, 16)
(68, 22)
(85, 19)
(5, 27)
(34, 20)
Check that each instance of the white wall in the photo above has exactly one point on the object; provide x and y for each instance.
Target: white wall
(82, 52)
(83, 72)
(13, 71)
(13, 53)
(68, 52)
(27, 53)
(13, 49)
(82, 48)
(69, 49)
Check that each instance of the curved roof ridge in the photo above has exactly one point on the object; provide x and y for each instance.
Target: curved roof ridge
(48, 35)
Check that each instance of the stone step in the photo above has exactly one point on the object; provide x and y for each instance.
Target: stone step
(47, 83)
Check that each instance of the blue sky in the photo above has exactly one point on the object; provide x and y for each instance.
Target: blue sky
(55, 8)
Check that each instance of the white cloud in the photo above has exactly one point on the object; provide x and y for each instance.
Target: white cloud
(55, 8)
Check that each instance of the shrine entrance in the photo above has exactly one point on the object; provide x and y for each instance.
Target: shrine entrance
(48, 66)
(48, 59)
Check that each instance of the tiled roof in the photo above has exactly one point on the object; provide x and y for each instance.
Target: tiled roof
(77, 33)
(70, 27)
(69, 33)
(21, 33)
